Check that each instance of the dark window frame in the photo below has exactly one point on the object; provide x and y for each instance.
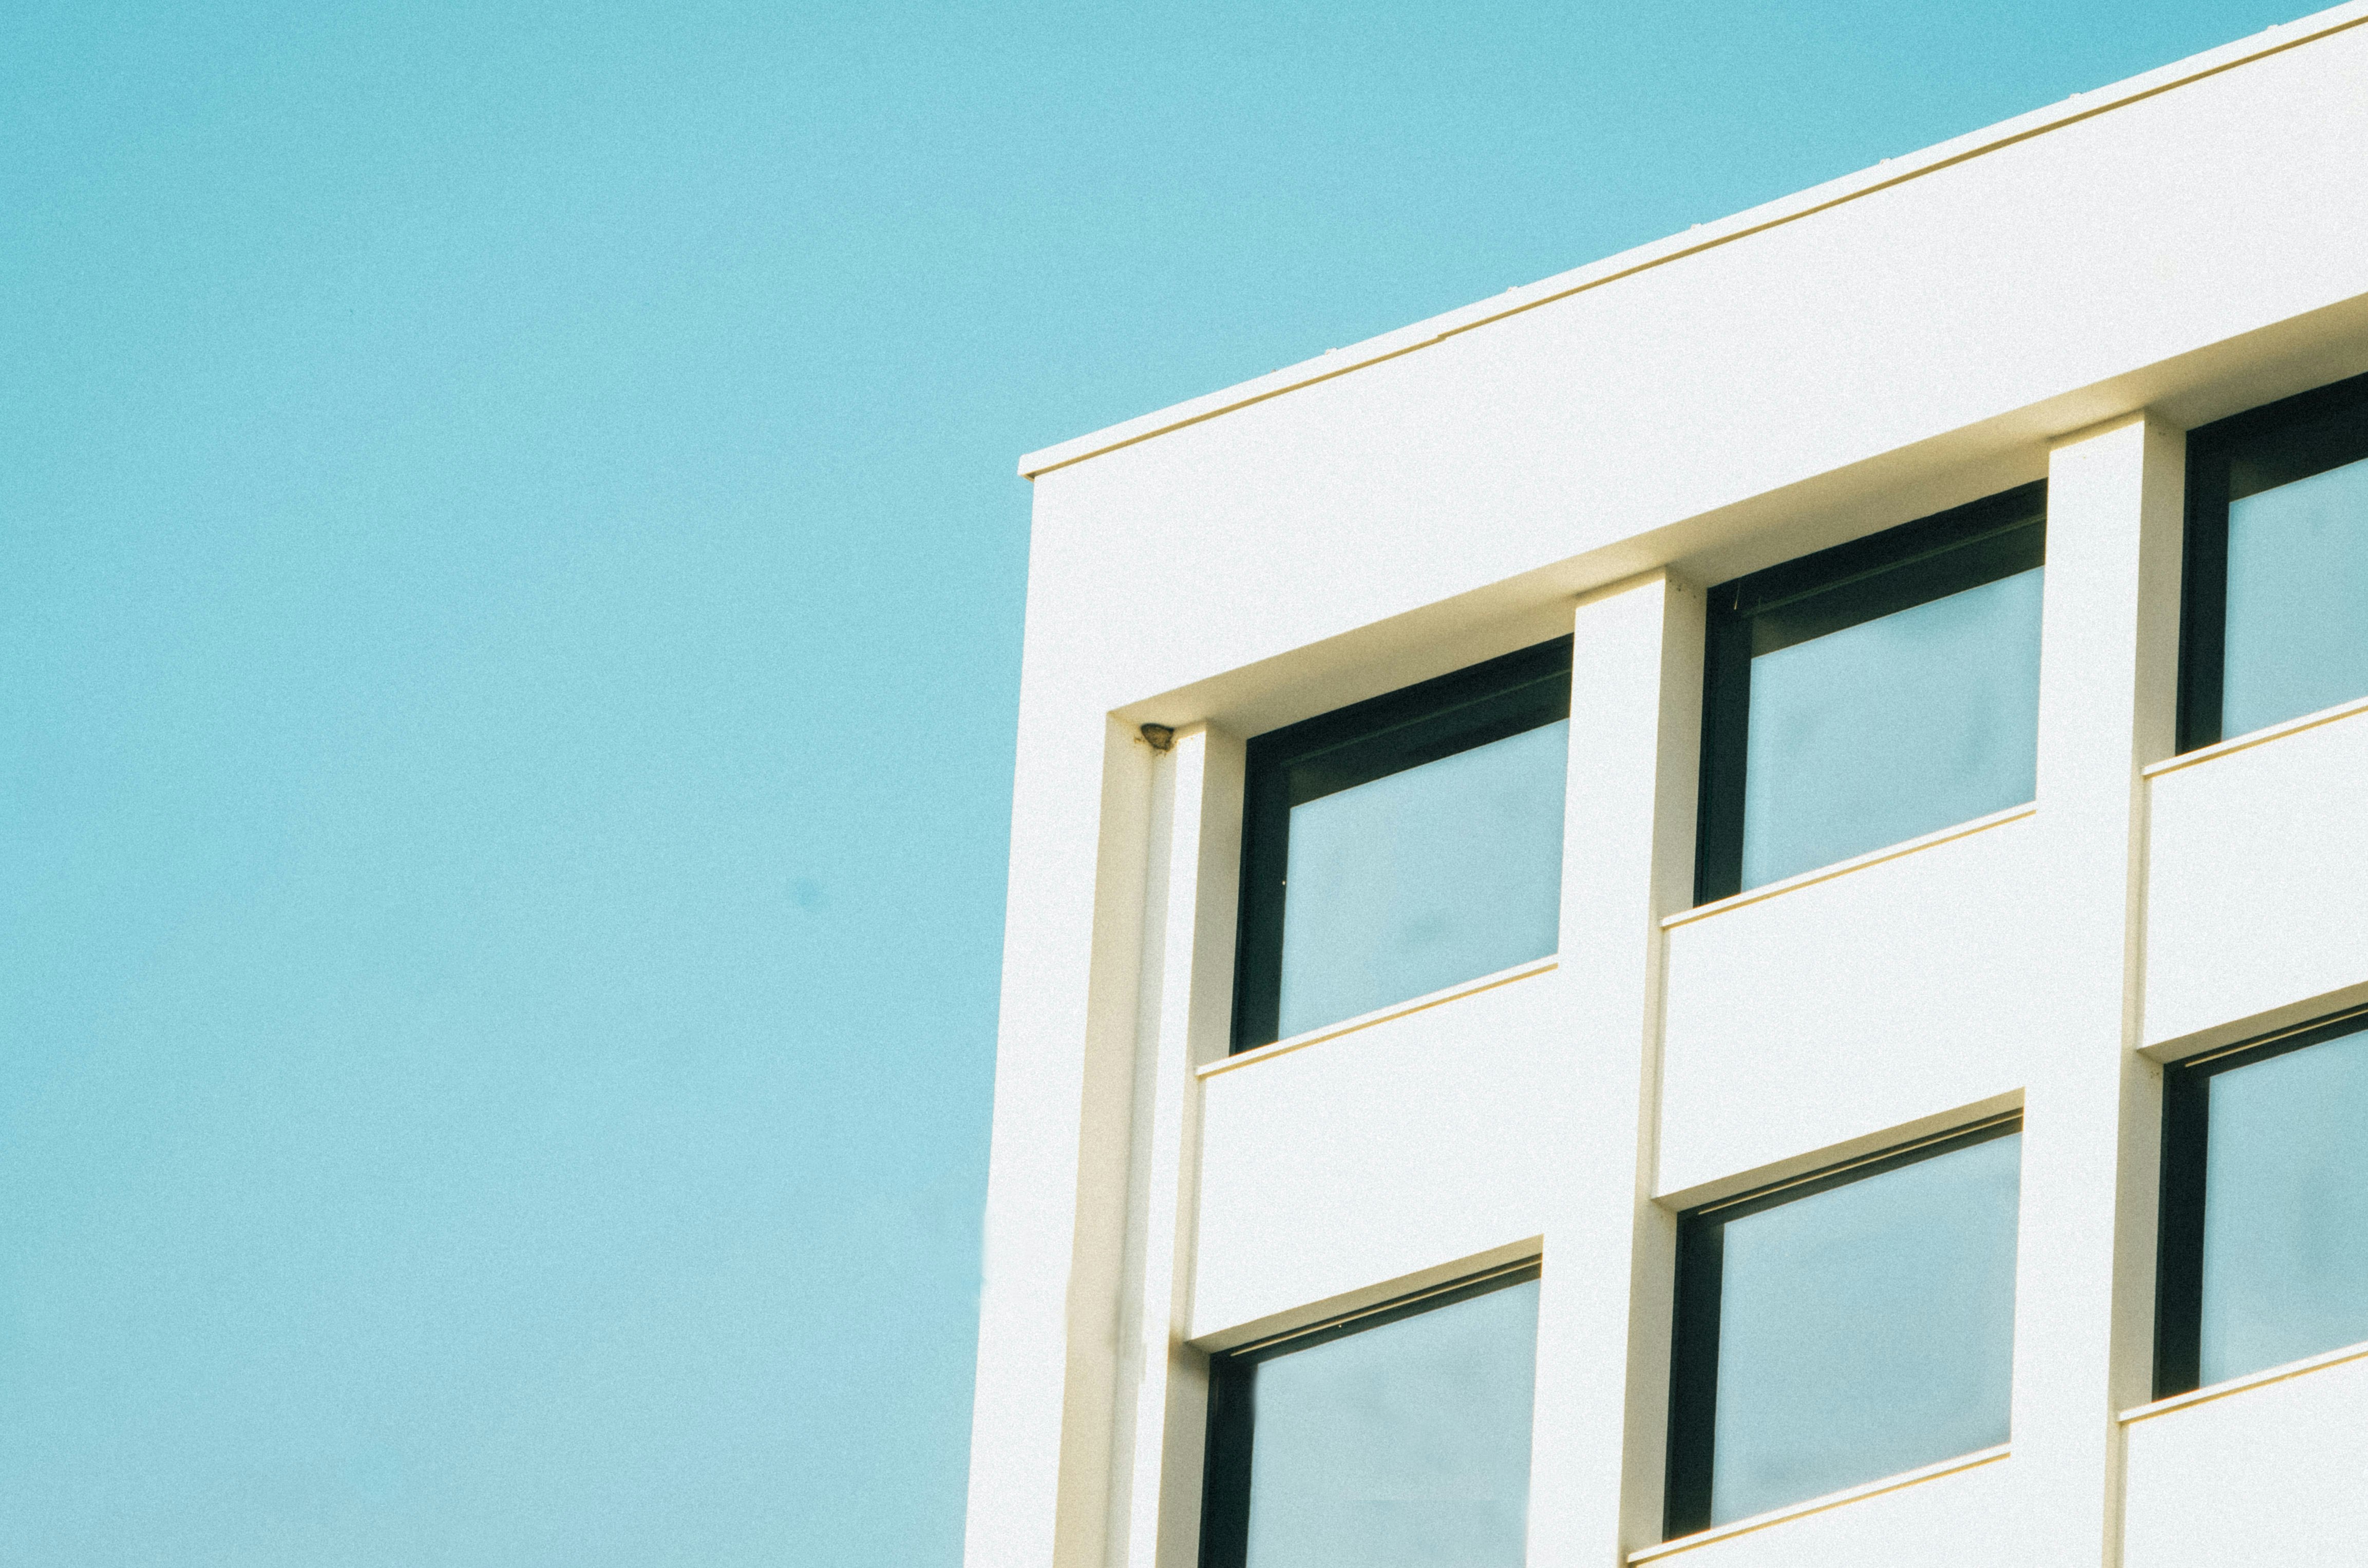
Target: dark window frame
(2291, 433)
(1693, 1439)
(2186, 1146)
(1896, 569)
(1233, 1401)
(1471, 707)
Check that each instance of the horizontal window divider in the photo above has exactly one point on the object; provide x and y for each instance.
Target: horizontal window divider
(2278, 1374)
(1904, 1479)
(1969, 1130)
(1844, 867)
(1379, 1015)
(2258, 737)
(2317, 1022)
(1530, 1266)
(1309, 1317)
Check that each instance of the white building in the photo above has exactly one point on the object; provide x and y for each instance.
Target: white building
(1830, 1015)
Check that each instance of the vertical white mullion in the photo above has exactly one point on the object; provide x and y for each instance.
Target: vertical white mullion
(1188, 986)
(2085, 1275)
(1127, 1347)
(1040, 1433)
(1603, 1310)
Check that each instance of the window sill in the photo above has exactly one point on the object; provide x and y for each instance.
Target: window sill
(1820, 1504)
(2260, 737)
(1381, 1015)
(2261, 1379)
(1844, 867)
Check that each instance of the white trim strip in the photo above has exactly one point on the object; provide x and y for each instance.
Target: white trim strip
(2260, 737)
(1533, 1262)
(1379, 1015)
(1842, 1167)
(1844, 867)
(1820, 1504)
(2250, 1381)
(1701, 237)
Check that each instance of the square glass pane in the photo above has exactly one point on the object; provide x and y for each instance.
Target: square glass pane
(1406, 1446)
(1893, 728)
(2286, 1209)
(2297, 626)
(1866, 1330)
(1423, 878)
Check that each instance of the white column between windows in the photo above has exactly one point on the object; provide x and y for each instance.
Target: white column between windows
(2085, 1275)
(1603, 1315)
(1190, 911)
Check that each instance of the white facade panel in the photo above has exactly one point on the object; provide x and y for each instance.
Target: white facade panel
(2273, 1473)
(1912, 980)
(1379, 1154)
(2256, 892)
(2063, 296)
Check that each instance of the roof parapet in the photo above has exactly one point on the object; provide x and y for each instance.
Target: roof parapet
(1883, 175)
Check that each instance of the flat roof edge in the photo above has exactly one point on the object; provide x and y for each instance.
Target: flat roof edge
(2274, 39)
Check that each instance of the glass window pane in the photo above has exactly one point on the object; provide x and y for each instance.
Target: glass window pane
(1407, 1446)
(1427, 877)
(1866, 1330)
(2286, 1209)
(2297, 634)
(1891, 729)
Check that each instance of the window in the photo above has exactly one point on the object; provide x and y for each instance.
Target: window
(1399, 1438)
(1872, 693)
(1843, 1328)
(1403, 846)
(2264, 1250)
(2276, 621)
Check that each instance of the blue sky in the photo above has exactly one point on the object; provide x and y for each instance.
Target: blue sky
(510, 577)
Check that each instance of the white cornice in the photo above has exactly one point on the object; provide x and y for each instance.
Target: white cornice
(1701, 237)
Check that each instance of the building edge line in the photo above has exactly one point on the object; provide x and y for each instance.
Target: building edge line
(2261, 46)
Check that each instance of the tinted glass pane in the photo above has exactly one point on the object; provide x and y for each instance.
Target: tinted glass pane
(1866, 1330)
(1428, 877)
(1407, 1446)
(2297, 630)
(1891, 729)
(2285, 1210)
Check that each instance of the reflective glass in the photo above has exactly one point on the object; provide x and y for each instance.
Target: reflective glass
(2286, 1209)
(1866, 1330)
(2297, 628)
(1406, 1446)
(1891, 729)
(1429, 876)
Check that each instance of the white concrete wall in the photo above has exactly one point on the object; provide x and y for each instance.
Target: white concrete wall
(1911, 979)
(2189, 244)
(2257, 886)
(2273, 1473)
(1364, 1163)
